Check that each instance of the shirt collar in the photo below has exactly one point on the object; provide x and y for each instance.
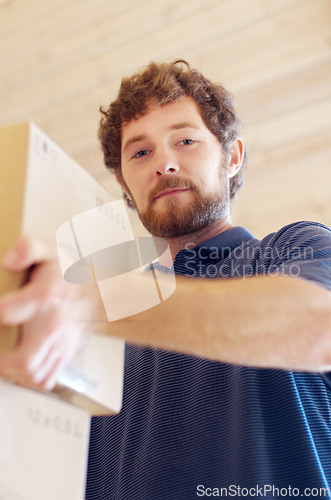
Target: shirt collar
(225, 242)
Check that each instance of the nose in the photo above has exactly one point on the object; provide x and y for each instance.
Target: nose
(165, 165)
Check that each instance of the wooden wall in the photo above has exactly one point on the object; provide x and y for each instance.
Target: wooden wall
(61, 59)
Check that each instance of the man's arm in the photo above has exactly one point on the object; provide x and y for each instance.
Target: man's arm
(273, 322)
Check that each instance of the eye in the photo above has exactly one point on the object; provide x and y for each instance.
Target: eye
(186, 142)
(141, 153)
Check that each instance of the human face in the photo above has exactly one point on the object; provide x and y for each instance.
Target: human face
(174, 170)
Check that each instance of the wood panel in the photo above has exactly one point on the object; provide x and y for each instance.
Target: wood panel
(62, 59)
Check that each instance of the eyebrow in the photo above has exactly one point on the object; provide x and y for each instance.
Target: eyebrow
(142, 137)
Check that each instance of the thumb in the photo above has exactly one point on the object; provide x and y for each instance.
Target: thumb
(26, 252)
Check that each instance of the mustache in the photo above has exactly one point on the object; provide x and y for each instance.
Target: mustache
(172, 182)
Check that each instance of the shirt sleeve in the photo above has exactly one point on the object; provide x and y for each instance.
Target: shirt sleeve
(303, 250)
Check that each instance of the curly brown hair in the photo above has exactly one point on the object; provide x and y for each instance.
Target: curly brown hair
(163, 84)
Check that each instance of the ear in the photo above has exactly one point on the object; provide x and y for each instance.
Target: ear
(236, 157)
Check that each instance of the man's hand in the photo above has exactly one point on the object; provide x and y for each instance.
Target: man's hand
(48, 309)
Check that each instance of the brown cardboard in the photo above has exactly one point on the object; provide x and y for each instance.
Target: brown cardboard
(13, 154)
(41, 187)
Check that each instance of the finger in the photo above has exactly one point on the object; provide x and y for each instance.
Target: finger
(59, 352)
(19, 306)
(26, 252)
(48, 372)
(22, 367)
(68, 341)
(49, 382)
(32, 363)
(42, 351)
(43, 371)
(43, 292)
(51, 370)
(35, 341)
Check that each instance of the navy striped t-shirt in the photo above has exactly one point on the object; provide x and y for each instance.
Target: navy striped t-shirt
(193, 428)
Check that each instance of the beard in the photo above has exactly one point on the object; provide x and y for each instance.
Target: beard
(176, 220)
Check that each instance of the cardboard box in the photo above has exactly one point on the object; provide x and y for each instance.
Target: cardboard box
(43, 446)
(41, 187)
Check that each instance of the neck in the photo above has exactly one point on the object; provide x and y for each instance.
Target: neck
(193, 239)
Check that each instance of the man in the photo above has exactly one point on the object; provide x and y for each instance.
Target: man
(223, 394)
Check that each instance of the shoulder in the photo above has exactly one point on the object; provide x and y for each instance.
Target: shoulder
(302, 233)
(301, 249)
